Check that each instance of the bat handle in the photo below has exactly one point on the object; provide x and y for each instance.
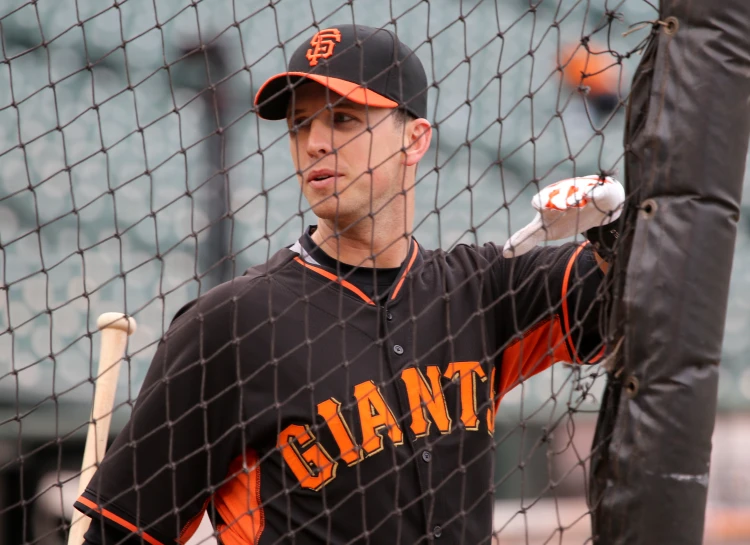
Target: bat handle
(115, 328)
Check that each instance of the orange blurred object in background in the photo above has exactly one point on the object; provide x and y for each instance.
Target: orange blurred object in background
(597, 71)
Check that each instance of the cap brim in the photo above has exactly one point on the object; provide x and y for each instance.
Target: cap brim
(273, 97)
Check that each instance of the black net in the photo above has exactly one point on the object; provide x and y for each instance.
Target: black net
(136, 176)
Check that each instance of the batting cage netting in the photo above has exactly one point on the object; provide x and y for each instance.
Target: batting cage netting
(291, 405)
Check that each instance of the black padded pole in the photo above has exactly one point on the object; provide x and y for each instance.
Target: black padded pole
(686, 143)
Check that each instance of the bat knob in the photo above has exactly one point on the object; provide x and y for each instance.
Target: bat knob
(116, 320)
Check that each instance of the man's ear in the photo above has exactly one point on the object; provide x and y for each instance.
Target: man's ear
(417, 138)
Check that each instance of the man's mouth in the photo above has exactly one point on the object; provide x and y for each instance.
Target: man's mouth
(322, 177)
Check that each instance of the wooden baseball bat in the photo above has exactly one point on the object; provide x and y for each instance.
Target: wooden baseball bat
(115, 328)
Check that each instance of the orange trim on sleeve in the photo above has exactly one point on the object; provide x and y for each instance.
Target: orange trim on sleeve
(239, 504)
(334, 278)
(599, 355)
(566, 319)
(408, 268)
(536, 351)
(119, 520)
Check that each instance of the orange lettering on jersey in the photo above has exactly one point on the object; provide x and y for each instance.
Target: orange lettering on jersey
(322, 45)
(465, 370)
(374, 415)
(492, 408)
(424, 398)
(330, 410)
(314, 468)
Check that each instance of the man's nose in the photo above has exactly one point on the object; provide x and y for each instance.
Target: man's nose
(320, 138)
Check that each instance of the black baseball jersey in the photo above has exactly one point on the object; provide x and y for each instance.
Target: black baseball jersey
(297, 408)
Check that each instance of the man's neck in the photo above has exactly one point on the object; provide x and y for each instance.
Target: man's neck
(362, 245)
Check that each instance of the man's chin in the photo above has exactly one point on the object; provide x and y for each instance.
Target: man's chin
(331, 210)
(327, 208)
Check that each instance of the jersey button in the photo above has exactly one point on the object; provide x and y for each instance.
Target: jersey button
(437, 531)
(388, 316)
(398, 349)
(426, 455)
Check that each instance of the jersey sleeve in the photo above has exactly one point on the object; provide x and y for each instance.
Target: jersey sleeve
(185, 429)
(549, 303)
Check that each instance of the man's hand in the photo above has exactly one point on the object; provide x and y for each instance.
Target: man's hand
(566, 208)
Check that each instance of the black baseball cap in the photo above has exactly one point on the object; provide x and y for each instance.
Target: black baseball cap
(363, 64)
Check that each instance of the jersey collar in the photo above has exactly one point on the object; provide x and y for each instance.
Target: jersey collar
(306, 260)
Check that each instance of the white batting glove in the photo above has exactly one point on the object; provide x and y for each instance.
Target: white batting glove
(566, 208)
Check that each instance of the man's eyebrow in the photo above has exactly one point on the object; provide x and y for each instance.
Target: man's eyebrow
(348, 104)
(345, 104)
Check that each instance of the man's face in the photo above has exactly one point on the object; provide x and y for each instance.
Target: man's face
(348, 157)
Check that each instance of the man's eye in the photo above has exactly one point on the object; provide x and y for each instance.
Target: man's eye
(297, 123)
(341, 117)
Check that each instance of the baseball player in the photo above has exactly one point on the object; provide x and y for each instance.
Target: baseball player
(345, 391)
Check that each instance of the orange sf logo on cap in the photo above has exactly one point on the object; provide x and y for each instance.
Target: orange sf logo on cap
(322, 45)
